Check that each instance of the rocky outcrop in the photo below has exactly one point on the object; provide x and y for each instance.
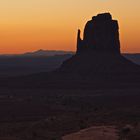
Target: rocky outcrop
(100, 34)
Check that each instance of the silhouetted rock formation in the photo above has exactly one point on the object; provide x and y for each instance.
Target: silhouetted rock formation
(101, 34)
(99, 51)
(98, 63)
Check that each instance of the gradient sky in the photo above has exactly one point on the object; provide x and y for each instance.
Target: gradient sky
(28, 25)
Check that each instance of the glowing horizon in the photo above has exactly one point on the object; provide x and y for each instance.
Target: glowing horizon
(52, 25)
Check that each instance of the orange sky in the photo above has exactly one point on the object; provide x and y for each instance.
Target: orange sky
(28, 25)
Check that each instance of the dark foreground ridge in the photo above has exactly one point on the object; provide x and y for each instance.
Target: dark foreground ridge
(97, 63)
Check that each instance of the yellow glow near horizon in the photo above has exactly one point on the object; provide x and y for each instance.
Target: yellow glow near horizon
(52, 24)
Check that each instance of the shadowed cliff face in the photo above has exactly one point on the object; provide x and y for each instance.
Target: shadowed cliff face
(100, 34)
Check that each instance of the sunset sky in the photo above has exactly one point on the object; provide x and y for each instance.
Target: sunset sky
(28, 25)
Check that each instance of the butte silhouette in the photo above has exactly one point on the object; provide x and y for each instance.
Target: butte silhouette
(98, 62)
(99, 50)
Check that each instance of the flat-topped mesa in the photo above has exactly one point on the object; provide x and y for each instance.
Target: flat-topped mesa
(100, 34)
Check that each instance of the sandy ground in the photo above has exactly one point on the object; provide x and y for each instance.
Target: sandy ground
(94, 133)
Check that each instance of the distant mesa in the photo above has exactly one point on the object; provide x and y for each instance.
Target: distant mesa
(47, 53)
(100, 34)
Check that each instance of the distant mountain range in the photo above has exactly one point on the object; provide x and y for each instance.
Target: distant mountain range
(47, 53)
(135, 57)
(41, 53)
(40, 61)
